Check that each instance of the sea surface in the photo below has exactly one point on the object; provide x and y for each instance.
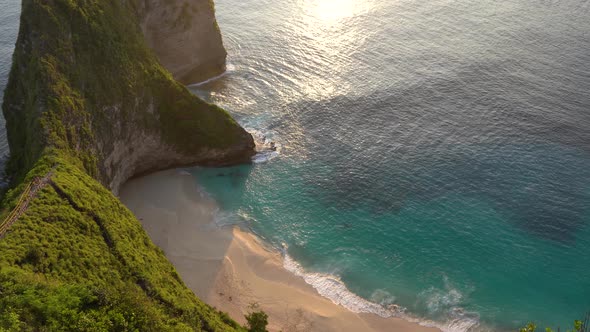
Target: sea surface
(433, 157)
(9, 19)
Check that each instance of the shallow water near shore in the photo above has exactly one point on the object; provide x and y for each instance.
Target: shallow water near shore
(435, 156)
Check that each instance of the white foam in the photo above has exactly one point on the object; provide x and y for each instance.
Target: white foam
(223, 218)
(226, 218)
(228, 68)
(383, 303)
(265, 156)
(194, 85)
(457, 324)
(447, 301)
(333, 288)
(266, 148)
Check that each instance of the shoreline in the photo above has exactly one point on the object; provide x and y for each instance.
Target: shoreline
(228, 68)
(230, 268)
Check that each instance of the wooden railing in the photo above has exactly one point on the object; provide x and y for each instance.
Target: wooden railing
(23, 201)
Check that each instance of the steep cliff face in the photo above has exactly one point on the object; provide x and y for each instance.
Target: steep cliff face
(87, 106)
(84, 81)
(185, 36)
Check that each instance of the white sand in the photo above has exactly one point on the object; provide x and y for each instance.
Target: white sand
(229, 268)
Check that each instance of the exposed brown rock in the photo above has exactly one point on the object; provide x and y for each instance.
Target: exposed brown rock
(185, 36)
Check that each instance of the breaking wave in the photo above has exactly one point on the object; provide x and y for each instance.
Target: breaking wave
(382, 303)
(266, 147)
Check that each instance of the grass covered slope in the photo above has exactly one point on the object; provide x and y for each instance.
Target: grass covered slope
(89, 101)
(78, 260)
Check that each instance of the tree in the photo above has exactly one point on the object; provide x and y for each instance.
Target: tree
(257, 319)
(579, 326)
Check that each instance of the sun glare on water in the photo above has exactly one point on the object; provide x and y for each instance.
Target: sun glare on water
(331, 11)
(328, 38)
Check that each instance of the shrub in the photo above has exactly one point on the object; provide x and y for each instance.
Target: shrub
(257, 319)
(579, 326)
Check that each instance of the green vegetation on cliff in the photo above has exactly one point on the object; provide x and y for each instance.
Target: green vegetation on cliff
(79, 260)
(83, 76)
(82, 82)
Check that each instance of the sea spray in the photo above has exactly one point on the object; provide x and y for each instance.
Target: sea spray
(382, 304)
(331, 287)
(267, 148)
(229, 68)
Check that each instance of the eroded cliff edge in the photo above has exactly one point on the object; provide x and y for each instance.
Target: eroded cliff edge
(84, 81)
(185, 36)
(87, 106)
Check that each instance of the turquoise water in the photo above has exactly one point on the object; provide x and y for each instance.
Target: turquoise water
(434, 156)
(455, 257)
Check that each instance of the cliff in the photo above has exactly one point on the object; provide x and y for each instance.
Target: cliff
(87, 106)
(84, 81)
(185, 36)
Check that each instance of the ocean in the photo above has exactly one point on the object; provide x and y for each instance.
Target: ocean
(9, 18)
(433, 158)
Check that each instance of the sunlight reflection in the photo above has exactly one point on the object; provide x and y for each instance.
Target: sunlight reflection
(331, 11)
(329, 39)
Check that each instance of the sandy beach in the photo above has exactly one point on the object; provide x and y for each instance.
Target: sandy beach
(230, 268)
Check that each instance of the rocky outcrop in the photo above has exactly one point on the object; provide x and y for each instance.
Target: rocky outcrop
(84, 82)
(134, 151)
(185, 36)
